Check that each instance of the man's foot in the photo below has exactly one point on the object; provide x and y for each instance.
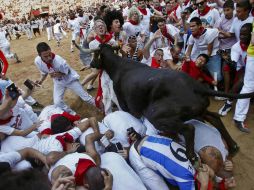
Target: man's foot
(241, 126)
(225, 108)
(90, 87)
(18, 61)
(37, 106)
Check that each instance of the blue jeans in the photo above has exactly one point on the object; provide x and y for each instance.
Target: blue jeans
(214, 65)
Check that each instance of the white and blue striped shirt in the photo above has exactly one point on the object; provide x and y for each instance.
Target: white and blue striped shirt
(168, 159)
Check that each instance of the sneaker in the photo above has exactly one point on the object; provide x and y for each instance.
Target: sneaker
(225, 108)
(37, 106)
(90, 87)
(220, 98)
(241, 126)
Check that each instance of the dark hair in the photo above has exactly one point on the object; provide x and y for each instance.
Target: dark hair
(25, 180)
(57, 21)
(94, 178)
(42, 46)
(245, 4)
(188, 9)
(102, 8)
(229, 4)
(111, 16)
(196, 20)
(160, 19)
(248, 27)
(4, 167)
(60, 124)
(159, 49)
(205, 56)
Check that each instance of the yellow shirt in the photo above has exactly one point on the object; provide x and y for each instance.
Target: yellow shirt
(250, 50)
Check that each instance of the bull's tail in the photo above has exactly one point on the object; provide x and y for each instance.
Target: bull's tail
(210, 92)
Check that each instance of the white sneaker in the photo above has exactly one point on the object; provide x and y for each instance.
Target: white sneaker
(220, 98)
(225, 108)
(90, 87)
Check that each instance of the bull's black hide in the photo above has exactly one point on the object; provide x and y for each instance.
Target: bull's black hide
(165, 97)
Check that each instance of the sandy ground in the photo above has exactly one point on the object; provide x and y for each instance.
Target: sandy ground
(243, 161)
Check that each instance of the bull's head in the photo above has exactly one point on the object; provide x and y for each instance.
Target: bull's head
(97, 61)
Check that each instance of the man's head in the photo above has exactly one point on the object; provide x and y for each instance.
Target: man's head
(44, 51)
(100, 27)
(158, 55)
(134, 14)
(72, 15)
(60, 124)
(195, 25)
(243, 9)
(114, 21)
(103, 10)
(93, 179)
(142, 4)
(132, 41)
(80, 12)
(245, 33)
(173, 3)
(161, 23)
(156, 3)
(201, 4)
(228, 9)
(201, 60)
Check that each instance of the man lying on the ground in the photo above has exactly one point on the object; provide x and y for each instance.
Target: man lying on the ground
(157, 154)
(17, 160)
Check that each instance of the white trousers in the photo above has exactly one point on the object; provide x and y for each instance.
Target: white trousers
(151, 180)
(242, 105)
(77, 88)
(50, 33)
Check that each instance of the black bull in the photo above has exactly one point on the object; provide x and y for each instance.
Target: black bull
(165, 97)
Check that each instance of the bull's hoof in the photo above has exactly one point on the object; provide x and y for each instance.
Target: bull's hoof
(234, 150)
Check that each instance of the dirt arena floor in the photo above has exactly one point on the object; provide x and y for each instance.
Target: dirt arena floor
(243, 161)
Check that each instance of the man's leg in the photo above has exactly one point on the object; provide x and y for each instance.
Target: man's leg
(242, 105)
(58, 97)
(78, 89)
(214, 65)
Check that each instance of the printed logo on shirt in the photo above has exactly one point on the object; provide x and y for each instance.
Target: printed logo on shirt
(17, 123)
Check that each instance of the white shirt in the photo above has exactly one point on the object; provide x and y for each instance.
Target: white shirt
(3, 40)
(237, 24)
(119, 122)
(70, 161)
(132, 30)
(57, 28)
(74, 25)
(210, 18)
(238, 55)
(83, 21)
(211, 35)
(11, 158)
(145, 22)
(124, 176)
(59, 65)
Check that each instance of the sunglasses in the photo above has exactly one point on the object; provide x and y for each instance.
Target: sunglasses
(200, 3)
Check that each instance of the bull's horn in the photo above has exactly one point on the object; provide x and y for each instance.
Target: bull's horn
(85, 50)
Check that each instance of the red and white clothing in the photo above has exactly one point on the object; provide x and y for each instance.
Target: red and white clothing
(123, 175)
(207, 37)
(106, 88)
(145, 21)
(210, 17)
(132, 29)
(5, 45)
(75, 28)
(70, 80)
(3, 63)
(237, 25)
(71, 161)
(239, 55)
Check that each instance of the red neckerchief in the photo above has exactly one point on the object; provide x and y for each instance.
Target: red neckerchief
(201, 31)
(252, 12)
(206, 10)
(65, 138)
(169, 12)
(82, 166)
(158, 8)
(5, 121)
(49, 65)
(243, 46)
(143, 11)
(99, 95)
(4, 63)
(107, 38)
(175, 10)
(210, 185)
(154, 63)
(133, 22)
(165, 33)
(186, 2)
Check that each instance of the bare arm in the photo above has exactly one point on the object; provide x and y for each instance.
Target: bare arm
(25, 132)
(6, 105)
(90, 139)
(146, 51)
(209, 49)
(189, 50)
(32, 153)
(43, 78)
